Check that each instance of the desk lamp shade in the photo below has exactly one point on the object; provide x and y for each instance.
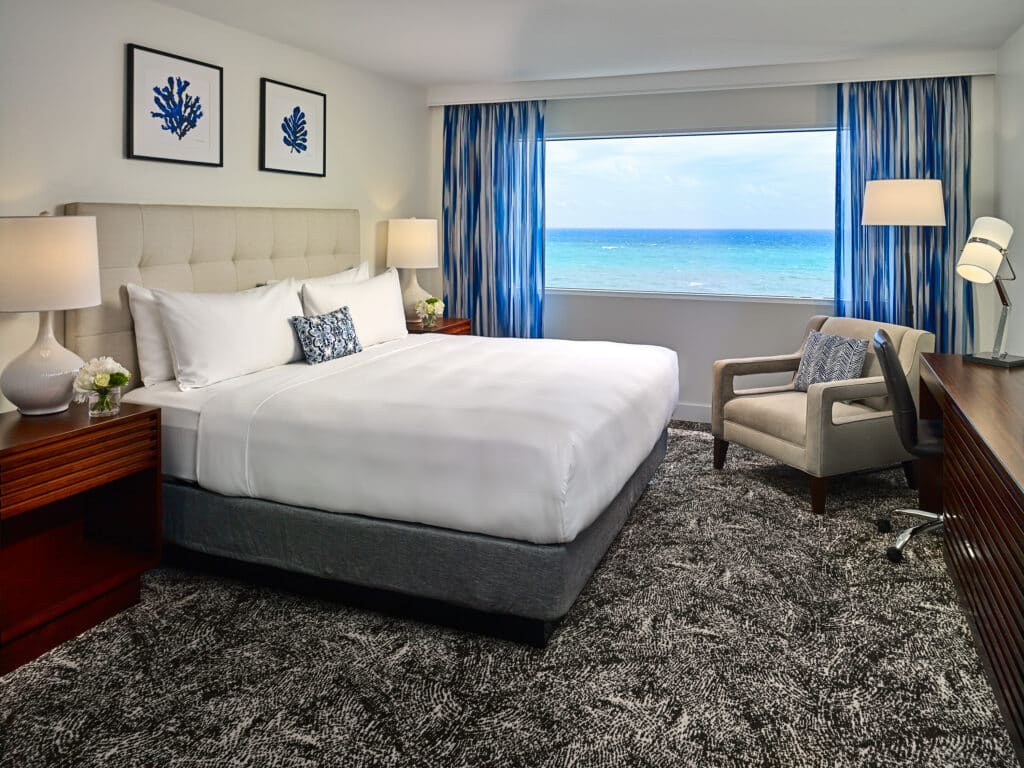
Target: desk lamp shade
(412, 245)
(986, 246)
(979, 262)
(47, 263)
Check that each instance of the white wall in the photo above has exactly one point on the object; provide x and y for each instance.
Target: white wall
(1010, 148)
(701, 329)
(983, 193)
(749, 109)
(61, 126)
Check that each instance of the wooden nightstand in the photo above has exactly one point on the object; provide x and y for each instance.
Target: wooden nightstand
(80, 520)
(453, 326)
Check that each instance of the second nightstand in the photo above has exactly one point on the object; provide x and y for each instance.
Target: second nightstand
(453, 326)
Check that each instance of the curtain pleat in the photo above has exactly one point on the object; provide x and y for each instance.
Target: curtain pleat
(493, 216)
(902, 129)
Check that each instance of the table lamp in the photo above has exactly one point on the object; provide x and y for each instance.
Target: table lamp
(48, 263)
(412, 245)
(979, 262)
(904, 203)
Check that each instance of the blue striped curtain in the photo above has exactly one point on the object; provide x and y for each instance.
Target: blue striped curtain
(904, 129)
(494, 216)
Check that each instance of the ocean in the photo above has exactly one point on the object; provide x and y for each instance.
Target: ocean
(751, 262)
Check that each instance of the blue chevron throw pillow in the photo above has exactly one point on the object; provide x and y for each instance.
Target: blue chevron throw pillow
(830, 358)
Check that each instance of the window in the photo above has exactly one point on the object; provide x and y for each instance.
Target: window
(741, 213)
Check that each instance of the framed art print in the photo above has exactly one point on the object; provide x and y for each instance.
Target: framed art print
(293, 129)
(174, 112)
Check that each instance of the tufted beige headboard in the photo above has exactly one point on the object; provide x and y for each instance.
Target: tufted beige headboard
(199, 248)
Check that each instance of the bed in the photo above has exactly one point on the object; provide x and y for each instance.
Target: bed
(486, 474)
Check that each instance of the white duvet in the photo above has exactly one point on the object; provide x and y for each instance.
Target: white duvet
(527, 440)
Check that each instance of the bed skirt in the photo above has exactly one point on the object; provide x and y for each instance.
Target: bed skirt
(488, 574)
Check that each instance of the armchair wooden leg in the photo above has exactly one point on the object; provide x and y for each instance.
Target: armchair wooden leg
(720, 449)
(818, 488)
(910, 472)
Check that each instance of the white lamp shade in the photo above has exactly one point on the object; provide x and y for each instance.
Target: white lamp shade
(904, 203)
(993, 229)
(412, 243)
(48, 263)
(983, 255)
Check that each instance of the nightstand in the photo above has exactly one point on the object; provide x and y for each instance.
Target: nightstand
(80, 520)
(453, 326)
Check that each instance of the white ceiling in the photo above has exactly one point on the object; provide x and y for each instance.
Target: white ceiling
(438, 42)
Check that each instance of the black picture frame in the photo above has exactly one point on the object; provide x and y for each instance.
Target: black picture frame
(141, 142)
(271, 159)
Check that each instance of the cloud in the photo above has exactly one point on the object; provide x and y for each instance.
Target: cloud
(781, 180)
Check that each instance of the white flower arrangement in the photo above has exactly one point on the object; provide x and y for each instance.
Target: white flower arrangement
(429, 310)
(99, 375)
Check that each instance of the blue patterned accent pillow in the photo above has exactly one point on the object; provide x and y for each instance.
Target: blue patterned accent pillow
(327, 337)
(830, 358)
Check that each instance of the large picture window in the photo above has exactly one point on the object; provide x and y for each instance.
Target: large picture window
(740, 213)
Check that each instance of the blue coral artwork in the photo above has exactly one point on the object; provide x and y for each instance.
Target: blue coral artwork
(178, 110)
(174, 109)
(294, 128)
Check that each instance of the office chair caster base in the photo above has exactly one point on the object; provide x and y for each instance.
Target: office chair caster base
(884, 525)
(895, 554)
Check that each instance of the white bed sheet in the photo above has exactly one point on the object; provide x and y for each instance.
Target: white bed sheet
(179, 418)
(179, 424)
(528, 440)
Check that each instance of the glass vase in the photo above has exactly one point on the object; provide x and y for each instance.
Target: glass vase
(105, 402)
(429, 321)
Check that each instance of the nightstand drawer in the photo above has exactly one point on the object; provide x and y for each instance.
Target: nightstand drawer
(52, 470)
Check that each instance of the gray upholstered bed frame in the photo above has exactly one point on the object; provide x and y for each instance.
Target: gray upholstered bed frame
(199, 248)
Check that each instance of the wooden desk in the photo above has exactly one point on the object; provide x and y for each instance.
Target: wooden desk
(981, 490)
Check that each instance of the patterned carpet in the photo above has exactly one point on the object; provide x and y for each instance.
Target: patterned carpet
(726, 627)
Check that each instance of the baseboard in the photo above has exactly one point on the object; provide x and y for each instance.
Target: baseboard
(693, 412)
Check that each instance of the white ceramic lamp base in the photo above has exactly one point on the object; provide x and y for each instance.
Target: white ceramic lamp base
(39, 380)
(411, 294)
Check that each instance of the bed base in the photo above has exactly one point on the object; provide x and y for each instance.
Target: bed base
(517, 629)
(485, 584)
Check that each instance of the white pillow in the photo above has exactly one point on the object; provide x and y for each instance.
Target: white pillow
(375, 305)
(218, 336)
(353, 275)
(155, 363)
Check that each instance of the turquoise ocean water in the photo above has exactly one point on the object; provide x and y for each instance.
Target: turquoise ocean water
(752, 262)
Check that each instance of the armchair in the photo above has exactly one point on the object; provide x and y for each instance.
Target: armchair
(833, 428)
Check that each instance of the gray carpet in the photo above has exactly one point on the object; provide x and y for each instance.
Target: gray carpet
(726, 627)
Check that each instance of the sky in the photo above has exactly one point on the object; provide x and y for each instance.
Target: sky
(722, 181)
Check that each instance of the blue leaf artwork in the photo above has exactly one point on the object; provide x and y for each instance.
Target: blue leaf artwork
(179, 111)
(295, 133)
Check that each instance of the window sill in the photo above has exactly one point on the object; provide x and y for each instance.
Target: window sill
(679, 296)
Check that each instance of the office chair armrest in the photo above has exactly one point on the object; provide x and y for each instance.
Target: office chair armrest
(821, 397)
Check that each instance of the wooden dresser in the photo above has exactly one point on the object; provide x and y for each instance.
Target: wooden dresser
(80, 521)
(980, 487)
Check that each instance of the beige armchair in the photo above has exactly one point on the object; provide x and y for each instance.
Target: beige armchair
(831, 429)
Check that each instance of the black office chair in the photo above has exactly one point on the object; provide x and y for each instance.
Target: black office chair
(923, 438)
